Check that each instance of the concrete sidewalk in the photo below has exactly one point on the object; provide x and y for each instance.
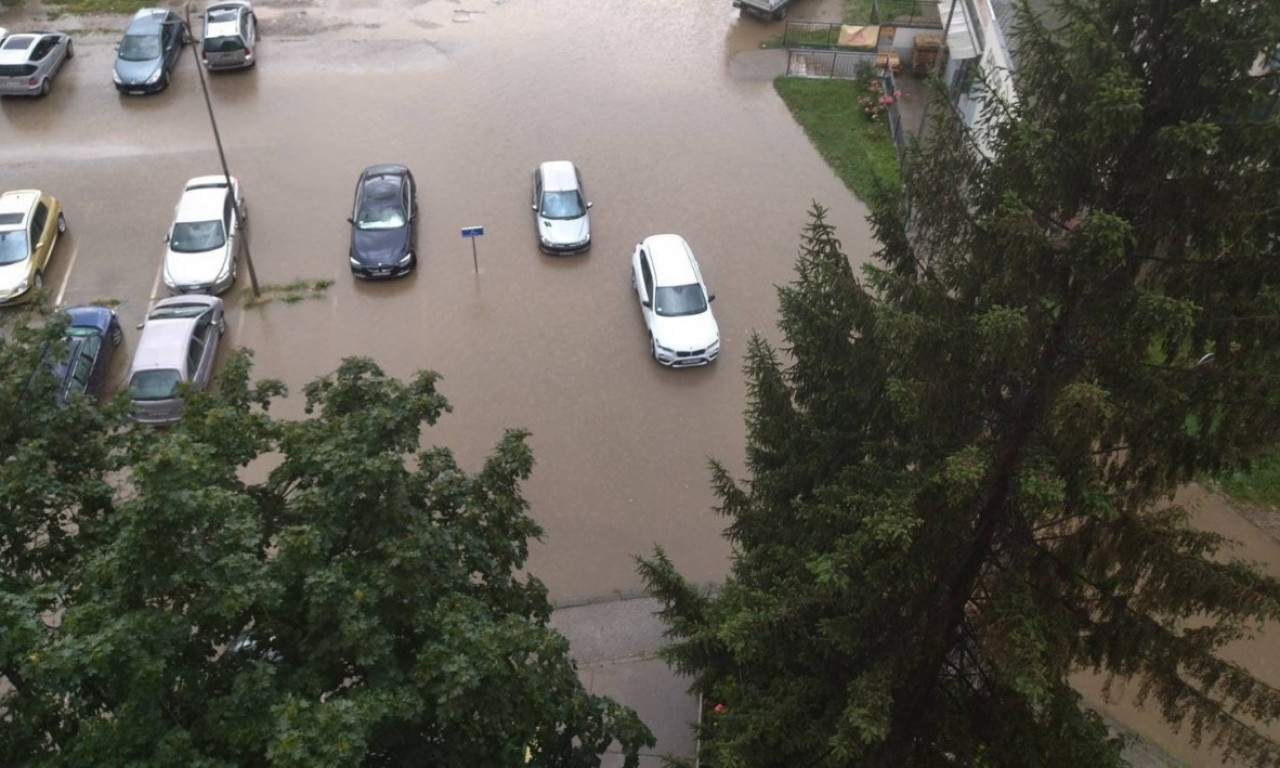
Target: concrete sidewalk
(614, 643)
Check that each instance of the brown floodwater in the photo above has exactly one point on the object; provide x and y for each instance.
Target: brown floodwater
(472, 97)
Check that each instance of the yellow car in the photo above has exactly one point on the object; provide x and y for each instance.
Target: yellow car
(30, 223)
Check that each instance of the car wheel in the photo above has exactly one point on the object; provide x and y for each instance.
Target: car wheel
(117, 335)
(780, 14)
(62, 224)
(71, 50)
(44, 87)
(164, 81)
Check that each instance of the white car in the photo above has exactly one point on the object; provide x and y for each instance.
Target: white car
(205, 236)
(29, 61)
(674, 302)
(560, 208)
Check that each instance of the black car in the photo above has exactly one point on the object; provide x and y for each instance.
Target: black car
(81, 367)
(149, 51)
(382, 223)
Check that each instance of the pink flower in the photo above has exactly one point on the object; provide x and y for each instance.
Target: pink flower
(718, 709)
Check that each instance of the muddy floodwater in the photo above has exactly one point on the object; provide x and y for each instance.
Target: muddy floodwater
(471, 96)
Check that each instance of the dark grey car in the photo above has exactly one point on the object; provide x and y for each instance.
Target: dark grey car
(384, 223)
(149, 51)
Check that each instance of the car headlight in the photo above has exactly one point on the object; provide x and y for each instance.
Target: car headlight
(155, 76)
(22, 286)
(668, 350)
(406, 258)
(115, 78)
(354, 262)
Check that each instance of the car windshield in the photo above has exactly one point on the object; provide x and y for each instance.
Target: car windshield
(81, 330)
(380, 207)
(676, 300)
(561, 205)
(140, 47)
(223, 44)
(157, 384)
(197, 236)
(13, 246)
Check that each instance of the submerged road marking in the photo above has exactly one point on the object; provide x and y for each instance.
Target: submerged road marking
(155, 286)
(66, 278)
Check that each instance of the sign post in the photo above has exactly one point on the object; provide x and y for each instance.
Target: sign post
(471, 233)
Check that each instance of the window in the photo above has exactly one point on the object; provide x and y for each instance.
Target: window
(38, 220)
(646, 274)
(195, 350)
(154, 384)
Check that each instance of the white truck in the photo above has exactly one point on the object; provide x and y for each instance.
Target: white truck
(766, 9)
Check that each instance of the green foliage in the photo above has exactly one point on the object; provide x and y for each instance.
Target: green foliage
(961, 463)
(359, 603)
(857, 148)
(81, 7)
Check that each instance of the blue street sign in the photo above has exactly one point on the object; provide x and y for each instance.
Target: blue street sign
(472, 231)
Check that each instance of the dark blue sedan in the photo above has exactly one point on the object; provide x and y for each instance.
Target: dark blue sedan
(383, 223)
(81, 367)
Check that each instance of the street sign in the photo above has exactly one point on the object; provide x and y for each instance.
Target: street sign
(471, 233)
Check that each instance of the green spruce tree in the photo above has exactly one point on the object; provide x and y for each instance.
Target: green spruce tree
(961, 465)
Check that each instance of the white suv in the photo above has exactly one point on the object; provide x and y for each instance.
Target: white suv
(205, 236)
(674, 302)
(560, 208)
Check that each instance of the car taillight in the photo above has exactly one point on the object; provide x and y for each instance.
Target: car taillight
(31, 81)
(247, 52)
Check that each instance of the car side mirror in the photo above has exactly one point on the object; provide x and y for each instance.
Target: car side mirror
(588, 205)
(534, 207)
(350, 221)
(711, 297)
(166, 238)
(646, 303)
(144, 322)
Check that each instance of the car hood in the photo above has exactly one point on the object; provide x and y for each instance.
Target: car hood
(194, 268)
(136, 72)
(379, 246)
(12, 275)
(564, 231)
(687, 332)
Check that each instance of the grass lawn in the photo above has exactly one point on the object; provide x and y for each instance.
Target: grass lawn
(84, 7)
(860, 151)
(1259, 486)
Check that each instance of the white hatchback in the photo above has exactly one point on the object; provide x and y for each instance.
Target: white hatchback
(560, 208)
(205, 236)
(674, 302)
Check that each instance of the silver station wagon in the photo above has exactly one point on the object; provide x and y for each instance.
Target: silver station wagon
(230, 39)
(178, 343)
(28, 62)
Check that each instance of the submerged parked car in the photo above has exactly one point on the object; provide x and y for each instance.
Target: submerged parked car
(29, 61)
(178, 343)
(560, 208)
(149, 51)
(205, 236)
(30, 224)
(230, 36)
(81, 366)
(674, 302)
(765, 9)
(383, 223)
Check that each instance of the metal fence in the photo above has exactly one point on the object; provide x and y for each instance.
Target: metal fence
(890, 85)
(907, 13)
(810, 34)
(844, 65)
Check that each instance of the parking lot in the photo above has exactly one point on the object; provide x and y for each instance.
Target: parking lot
(639, 95)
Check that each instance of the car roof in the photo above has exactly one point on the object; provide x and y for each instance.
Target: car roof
(558, 175)
(386, 169)
(19, 201)
(202, 199)
(146, 21)
(90, 317)
(672, 260)
(20, 42)
(164, 340)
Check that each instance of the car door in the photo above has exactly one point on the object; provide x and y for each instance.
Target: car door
(41, 236)
(231, 223)
(537, 191)
(248, 30)
(84, 366)
(212, 332)
(644, 285)
(410, 209)
(171, 37)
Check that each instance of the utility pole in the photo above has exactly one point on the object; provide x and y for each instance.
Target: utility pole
(217, 138)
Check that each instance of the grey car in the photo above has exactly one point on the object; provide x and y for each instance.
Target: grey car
(149, 51)
(28, 62)
(178, 344)
(230, 37)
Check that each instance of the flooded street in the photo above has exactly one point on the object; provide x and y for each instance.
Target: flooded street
(471, 96)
